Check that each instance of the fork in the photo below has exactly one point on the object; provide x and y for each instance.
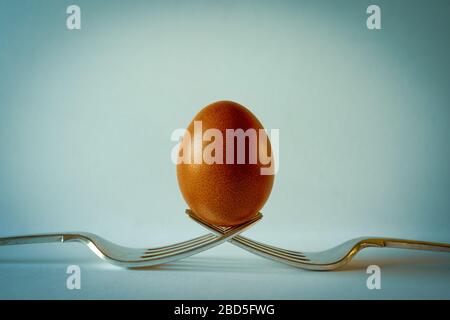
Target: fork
(330, 259)
(134, 257)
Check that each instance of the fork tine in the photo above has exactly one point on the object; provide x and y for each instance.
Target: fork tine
(179, 244)
(290, 252)
(274, 250)
(178, 250)
(196, 248)
(177, 247)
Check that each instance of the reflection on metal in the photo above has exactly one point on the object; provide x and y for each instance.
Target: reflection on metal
(137, 258)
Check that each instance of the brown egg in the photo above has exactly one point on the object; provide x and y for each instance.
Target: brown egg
(219, 188)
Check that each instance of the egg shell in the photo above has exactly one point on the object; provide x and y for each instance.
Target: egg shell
(224, 194)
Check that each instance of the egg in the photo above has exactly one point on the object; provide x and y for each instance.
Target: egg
(221, 183)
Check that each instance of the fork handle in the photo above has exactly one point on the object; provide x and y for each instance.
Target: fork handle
(410, 244)
(38, 238)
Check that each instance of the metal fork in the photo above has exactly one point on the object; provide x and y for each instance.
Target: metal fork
(324, 260)
(134, 257)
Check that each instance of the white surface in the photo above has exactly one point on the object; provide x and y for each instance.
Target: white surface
(225, 272)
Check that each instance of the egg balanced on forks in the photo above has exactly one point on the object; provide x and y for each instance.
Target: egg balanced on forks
(225, 182)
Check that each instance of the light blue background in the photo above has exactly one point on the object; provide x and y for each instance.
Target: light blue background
(86, 118)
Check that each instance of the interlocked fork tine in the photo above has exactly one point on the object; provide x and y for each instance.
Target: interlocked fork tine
(132, 257)
(324, 260)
